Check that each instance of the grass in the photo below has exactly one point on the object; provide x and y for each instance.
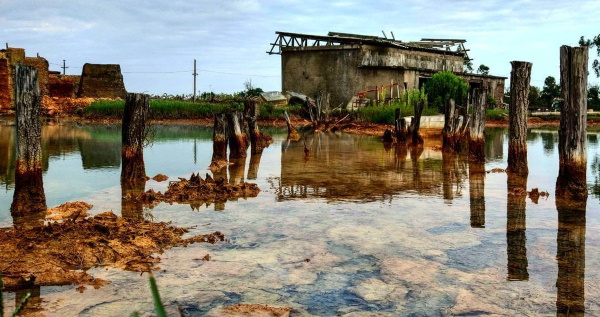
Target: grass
(179, 109)
(496, 114)
(21, 304)
(385, 113)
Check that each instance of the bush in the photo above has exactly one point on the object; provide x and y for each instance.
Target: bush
(496, 114)
(443, 86)
(386, 113)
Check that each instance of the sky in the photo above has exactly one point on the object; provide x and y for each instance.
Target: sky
(155, 42)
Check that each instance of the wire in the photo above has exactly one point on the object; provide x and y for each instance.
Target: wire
(172, 72)
(228, 73)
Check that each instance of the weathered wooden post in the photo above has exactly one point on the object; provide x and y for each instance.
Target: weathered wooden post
(29, 197)
(133, 137)
(258, 140)
(220, 138)
(570, 256)
(477, 193)
(450, 126)
(236, 136)
(416, 122)
(520, 78)
(477, 129)
(515, 228)
(571, 181)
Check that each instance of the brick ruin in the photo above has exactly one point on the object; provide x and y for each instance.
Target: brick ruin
(96, 81)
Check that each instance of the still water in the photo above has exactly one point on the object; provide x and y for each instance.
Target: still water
(353, 229)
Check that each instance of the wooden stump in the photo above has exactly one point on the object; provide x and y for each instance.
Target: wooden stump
(236, 136)
(220, 138)
(520, 77)
(571, 181)
(258, 140)
(292, 132)
(450, 133)
(29, 197)
(515, 228)
(477, 193)
(416, 123)
(570, 256)
(133, 171)
(477, 129)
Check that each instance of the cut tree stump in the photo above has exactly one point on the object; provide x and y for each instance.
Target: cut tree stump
(292, 132)
(258, 140)
(477, 129)
(571, 181)
(520, 78)
(29, 197)
(220, 138)
(134, 129)
(237, 139)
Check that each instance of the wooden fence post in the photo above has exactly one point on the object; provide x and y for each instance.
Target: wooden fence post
(219, 138)
(236, 137)
(133, 132)
(477, 130)
(570, 256)
(520, 78)
(571, 180)
(29, 197)
(516, 246)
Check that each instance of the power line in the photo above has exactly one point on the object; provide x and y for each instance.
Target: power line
(171, 72)
(229, 73)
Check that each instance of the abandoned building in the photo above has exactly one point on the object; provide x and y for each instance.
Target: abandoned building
(96, 80)
(346, 64)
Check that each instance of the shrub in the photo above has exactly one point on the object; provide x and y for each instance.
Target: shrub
(443, 86)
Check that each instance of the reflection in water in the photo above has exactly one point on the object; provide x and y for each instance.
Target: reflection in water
(515, 228)
(131, 205)
(570, 255)
(494, 143)
(34, 303)
(477, 193)
(236, 171)
(549, 140)
(254, 164)
(454, 171)
(595, 187)
(354, 167)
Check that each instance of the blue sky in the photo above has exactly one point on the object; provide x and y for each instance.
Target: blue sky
(155, 42)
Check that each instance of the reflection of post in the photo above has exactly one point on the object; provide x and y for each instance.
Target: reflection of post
(570, 255)
(415, 154)
(515, 228)
(236, 171)
(476, 193)
(133, 135)
(520, 77)
(571, 182)
(33, 303)
(131, 206)
(220, 138)
(29, 197)
(477, 130)
(254, 164)
(448, 171)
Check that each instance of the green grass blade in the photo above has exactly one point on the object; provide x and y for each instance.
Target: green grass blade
(158, 305)
(1, 297)
(135, 314)
(21, 305)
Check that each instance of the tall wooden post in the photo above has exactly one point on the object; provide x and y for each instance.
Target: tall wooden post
(520, 78)
(450, 131)
(220, 138)
(515, 228)
(29, 197)
(133, 133)
(571, 180)
(477, 129)
(570, 256)
(237, 138)
(416, 122)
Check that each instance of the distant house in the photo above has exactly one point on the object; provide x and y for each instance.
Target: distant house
(346, 64)
(273, 97)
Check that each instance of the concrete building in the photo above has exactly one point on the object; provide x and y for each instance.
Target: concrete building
(346, 64)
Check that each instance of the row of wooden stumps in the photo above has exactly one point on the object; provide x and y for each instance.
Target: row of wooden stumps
(406, 133)
(229, 131)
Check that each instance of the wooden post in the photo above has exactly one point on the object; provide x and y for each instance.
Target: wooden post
(236, 137)
(520, 78)
(416, 123)
(251, 111)
(450, 126)
(477, 129)
(515, 228)
(29, 197)
(570, 256)
(571, 180)
(133, 132)
(477, 193)
(220, 138)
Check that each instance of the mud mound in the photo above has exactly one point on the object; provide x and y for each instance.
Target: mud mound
(60, 253)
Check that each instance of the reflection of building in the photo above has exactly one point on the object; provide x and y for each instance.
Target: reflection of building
(351, 167)
(346, 64)
(494, 143)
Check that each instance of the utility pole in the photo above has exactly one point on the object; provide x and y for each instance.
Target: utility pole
(64, 67)
(195, 74)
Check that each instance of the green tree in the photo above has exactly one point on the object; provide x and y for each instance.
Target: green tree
(593, 96)
(443, 86)
(595, 42)
(483, 70)
(468, 65)
(550, 91)
(534, 98)
(251, 90)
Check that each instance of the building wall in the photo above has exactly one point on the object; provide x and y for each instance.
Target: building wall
(343, 71)
(41, 64)
(101, 81)
(6, 91)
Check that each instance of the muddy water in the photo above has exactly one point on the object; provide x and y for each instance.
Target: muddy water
(349, 229)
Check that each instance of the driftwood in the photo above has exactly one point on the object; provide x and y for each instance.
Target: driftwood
(133, 133)
(571, 181)
(29, 197)
(515, 228)
(477, 129)
(520, 78)
(236, 136)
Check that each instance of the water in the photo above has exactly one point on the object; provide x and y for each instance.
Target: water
(353, 229)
